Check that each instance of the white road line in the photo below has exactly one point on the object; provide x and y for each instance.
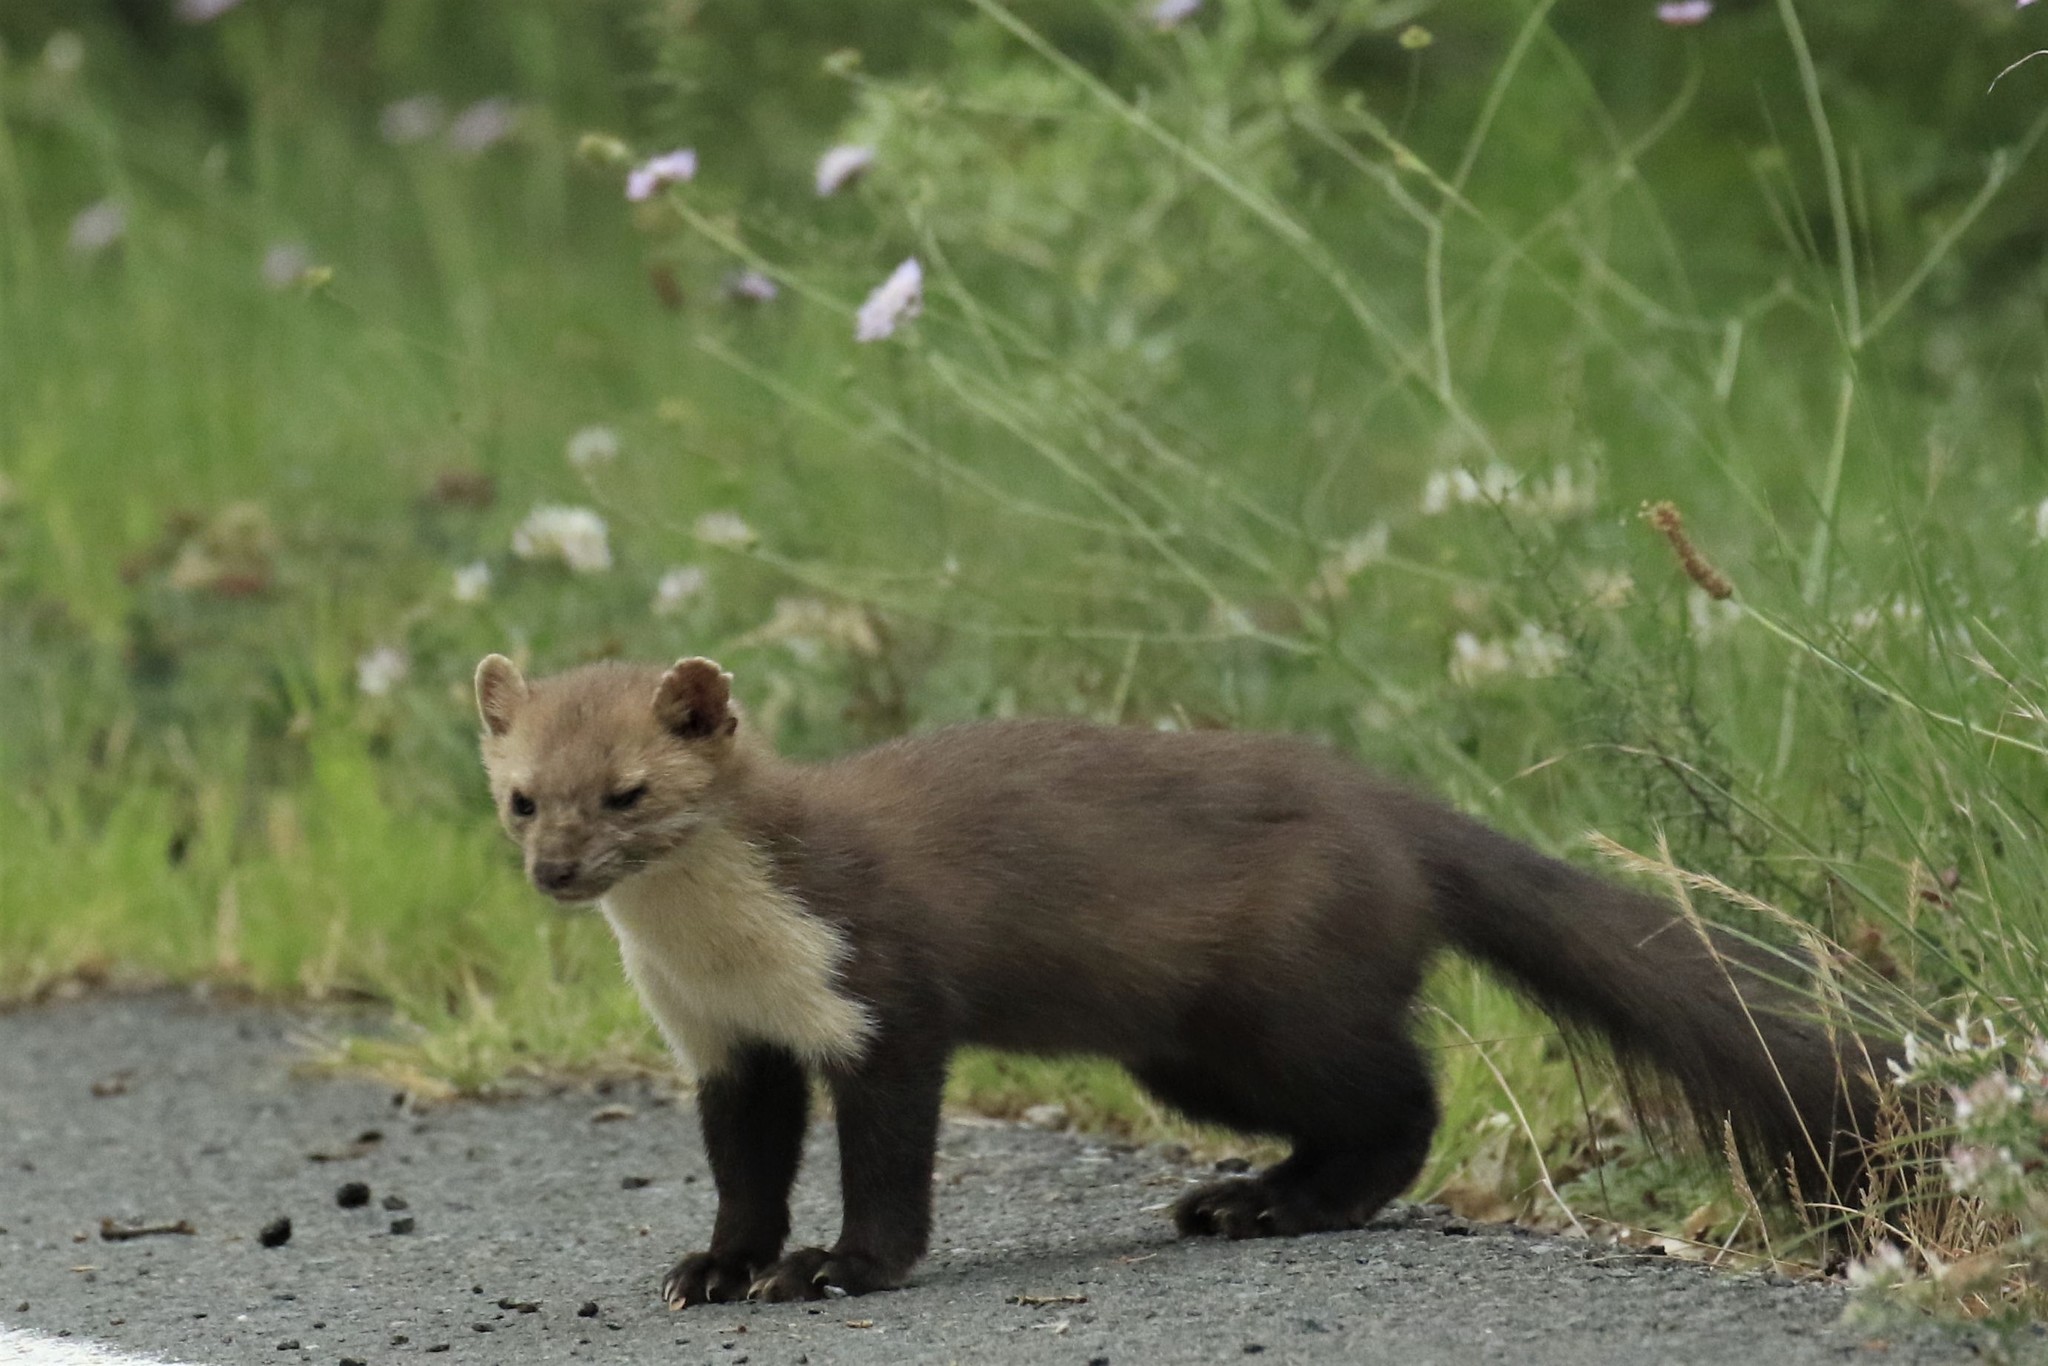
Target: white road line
(33, 1349)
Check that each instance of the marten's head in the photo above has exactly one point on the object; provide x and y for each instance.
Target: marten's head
(603, 770)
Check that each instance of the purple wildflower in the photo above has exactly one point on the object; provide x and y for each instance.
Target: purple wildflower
(482, 126)
(1168, 14)
(411, 120)
(204, 11)
(1685, 13)
(896, 300)
(670, 168)
(98, 227)
(750, 287)
(842, 166)
(284, 263)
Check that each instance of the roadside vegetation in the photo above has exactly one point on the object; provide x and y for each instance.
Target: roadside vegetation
(1310, 366)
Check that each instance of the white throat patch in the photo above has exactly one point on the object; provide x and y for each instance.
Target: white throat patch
(720, 955)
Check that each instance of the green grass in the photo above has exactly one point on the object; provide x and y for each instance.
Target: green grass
(1159, 452)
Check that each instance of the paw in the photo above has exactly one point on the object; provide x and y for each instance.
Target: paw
(706, 1278)
(1253, 1207)
(1239, 1208)
(812, 1273)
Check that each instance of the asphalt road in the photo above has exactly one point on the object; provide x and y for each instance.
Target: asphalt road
(540, 1229)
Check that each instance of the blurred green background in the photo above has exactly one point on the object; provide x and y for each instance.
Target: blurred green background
(1301, 364)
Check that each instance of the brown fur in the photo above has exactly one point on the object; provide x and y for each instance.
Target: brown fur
(1241, 920)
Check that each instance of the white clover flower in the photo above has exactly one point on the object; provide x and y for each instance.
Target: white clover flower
(677, 587)
(1497, 483)
(841, 166)
(1561, 497)
(1473, 660)
(725, 529)
(414, 119)
(1538, 653)
(1564, 494)
(98, 227)
(472, 582)
(1448, 488)
(284, 263)
(1348, 559)
(1609, 588)
(1685, 13)
(591, 447)
(380, 670)
(1964, 1039)
(750, 287)
(204, 11)
(896, 300)
(1885, 1266)
(1710, 616)
(1230, 619)
(2041, 520)
(482, 126)
(64, 54)
(1168, 14)
(575, 536)
(670, 168)
(806, 627)
(1531, 653)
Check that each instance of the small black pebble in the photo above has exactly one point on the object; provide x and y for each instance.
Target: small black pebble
(476, 1290)
(634, 1183)
(370, 1136)
(352, 1195)
(480, 1327)
(351, 1361)
(1098, 1361)
(399, 1339)
(1233, 1164)
(393, 1202)
(21, 1308)
(318, 1324)
(200, 1315)
(588, 1311)
(288, 1345)
(402, 1225)
(1252, 1349)
(276, 1233)
(438, 1347)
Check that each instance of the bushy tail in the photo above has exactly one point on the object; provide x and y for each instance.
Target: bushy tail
(1699, 1008)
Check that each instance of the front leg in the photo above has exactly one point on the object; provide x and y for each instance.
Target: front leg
(753, 1109)
(888, 1110)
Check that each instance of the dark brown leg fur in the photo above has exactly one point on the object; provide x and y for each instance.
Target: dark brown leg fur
(888, 1113)
(1360, 1126)
(753, 1115)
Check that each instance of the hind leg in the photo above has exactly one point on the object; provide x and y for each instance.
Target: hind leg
(1360, 1126)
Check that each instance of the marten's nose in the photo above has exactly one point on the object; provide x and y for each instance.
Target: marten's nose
(555, 874)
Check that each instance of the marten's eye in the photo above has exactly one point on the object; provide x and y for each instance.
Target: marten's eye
(522, 805)
(626, 800)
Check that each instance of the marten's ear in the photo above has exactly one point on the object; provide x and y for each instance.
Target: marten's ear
(500, 693)
(694, 700)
